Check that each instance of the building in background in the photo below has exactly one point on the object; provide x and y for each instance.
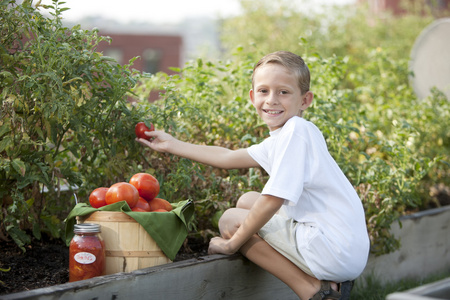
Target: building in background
(439, 8)
(156, 53)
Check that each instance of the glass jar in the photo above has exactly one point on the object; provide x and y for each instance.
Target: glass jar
(86, 252)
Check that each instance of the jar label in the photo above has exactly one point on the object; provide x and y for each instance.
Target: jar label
(85, 258)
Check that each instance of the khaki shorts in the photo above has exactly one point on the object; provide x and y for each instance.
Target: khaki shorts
(279, 232)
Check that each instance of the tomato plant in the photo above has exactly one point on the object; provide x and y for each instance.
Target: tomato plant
(146, 184)
(122, 191)
(58, 95)
(389, 150)
(97, 197)
(387, 141)
(141, 128)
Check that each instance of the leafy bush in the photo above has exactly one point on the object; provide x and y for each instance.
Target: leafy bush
(345, 31)
(65, 118)
(195, 106)
(391, 145)
(58, 97)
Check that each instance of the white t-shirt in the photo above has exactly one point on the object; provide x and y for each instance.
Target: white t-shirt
(316, 192)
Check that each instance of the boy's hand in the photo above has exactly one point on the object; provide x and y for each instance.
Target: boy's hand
(159, 140)
(219, 245)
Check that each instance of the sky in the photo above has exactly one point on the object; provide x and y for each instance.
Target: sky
(157, 11)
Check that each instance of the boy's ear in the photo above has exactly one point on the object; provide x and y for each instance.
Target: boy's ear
(252, 96)
(307, 99)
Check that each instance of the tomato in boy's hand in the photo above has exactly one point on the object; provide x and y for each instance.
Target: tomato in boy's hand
(141, 128)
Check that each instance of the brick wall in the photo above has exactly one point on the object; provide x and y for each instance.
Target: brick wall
(439, 8)
(162, 51)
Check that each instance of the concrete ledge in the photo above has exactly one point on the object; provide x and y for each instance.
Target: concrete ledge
(432, 291)
(424, 250)
(211, 277)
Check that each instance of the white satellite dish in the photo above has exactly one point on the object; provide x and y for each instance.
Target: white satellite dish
(430, 59)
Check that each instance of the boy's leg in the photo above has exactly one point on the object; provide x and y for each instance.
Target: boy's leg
(247, 200)
(262, 254)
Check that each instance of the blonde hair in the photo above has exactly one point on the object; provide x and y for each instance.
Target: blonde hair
(290, 61)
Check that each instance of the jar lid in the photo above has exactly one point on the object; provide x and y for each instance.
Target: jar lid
(86, 228)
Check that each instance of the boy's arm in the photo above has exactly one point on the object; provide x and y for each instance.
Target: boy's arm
(264, 208)
(215, 156)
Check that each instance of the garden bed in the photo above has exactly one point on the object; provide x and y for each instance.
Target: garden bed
(425, 239)
(46, 263)
(208, 277)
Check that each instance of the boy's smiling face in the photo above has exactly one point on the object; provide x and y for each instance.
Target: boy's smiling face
(276, 95)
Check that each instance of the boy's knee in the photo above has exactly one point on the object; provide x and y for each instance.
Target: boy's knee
(225, 223)
(227, 217)
(230, 221)
(247, 200)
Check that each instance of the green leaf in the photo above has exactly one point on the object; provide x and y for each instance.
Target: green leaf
(53, 224)
(19, 166)
(5, 143)
(36, 230)
(19, 236)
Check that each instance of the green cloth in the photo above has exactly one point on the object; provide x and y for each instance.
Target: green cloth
(168, 229)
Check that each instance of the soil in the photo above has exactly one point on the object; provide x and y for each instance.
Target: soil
(46, 263)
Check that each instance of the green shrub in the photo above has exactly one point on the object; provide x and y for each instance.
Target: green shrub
(65, 118)
(391, 145)
(206, 104)
(65, 115)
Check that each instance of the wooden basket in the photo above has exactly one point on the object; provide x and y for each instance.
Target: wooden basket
(128, 246)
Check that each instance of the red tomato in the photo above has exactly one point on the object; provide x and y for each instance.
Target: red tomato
(97, 197)
(122, 191)
(142, 204)
(157, 203)
(146, 184)
(138, 209)
(141, 128)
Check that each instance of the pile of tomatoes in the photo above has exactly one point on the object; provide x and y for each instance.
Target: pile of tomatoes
(139, 193)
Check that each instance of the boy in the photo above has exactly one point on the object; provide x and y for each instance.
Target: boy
(307, 226)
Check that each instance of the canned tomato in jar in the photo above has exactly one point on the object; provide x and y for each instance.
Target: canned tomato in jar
(86, 252)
